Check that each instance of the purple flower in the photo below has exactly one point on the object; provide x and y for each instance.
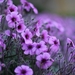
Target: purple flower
(36, 29)
(40, 47)
(54, 28)
(12, 8)
(26, 5)
(44, 61)
(44, 35)
(48, 26)
(20, 27)
(54, 42)
(27, 35)
(58, 26)
(12, 19)
(28, 49)
(23, 70)
(51, 28)
(1, 1)
(52, 23)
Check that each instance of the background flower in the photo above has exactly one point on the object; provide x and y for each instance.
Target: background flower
(44, 61)
(27, 35)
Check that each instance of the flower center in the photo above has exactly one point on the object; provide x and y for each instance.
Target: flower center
(43, 61)
(13, 19)
(27, 36)
(55, 42)
(19, 27)
(30, 46)
(11, 9)
(23, 71)
(38, 46)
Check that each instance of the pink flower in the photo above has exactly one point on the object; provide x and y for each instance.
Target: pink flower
(54, 42)
(40, 47)
(27, 35)
(12, 8)
(44, 61)
(54, 28)
(48, 26)
(23, 70)
(27, 5)
(12, 19)
(36, 29)
(29, 49)
(20, 27)
(51, 28)
(58, 26)
(44, 35)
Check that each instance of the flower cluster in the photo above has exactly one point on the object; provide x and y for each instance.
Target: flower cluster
(33, 44)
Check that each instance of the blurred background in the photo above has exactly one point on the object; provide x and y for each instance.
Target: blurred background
(61, 7)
